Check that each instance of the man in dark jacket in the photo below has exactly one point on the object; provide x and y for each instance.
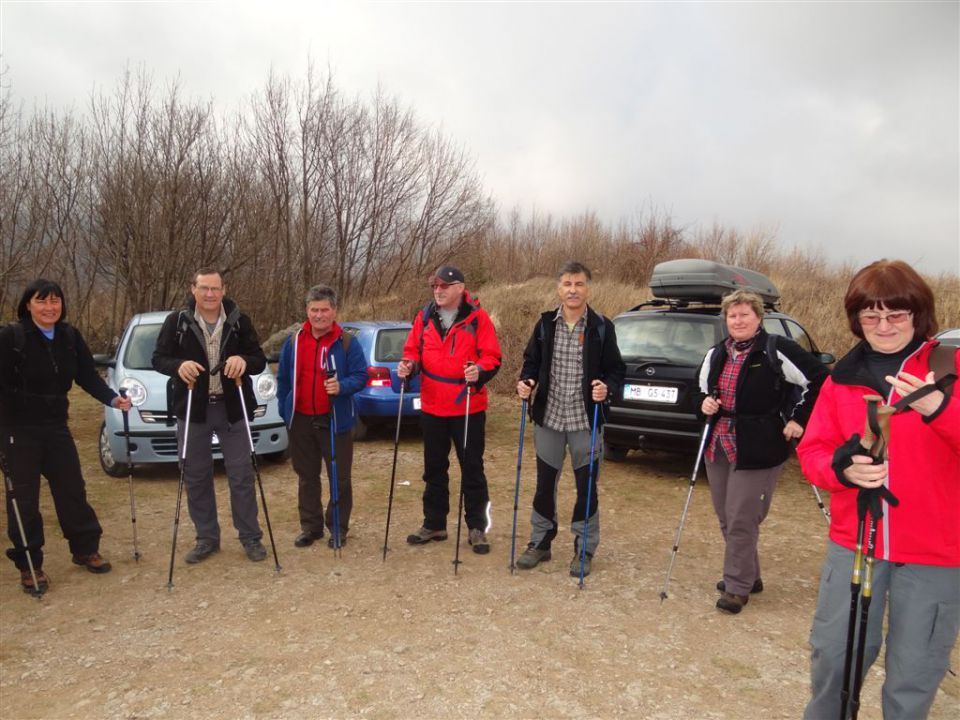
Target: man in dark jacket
(212, 334)
(573, 361)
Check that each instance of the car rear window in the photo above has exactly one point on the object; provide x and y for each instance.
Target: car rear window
(676, 339)
(139, 352)
(389, 346)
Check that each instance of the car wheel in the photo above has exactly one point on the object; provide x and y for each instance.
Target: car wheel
(360, 429)
(615, 453)
(107, 461)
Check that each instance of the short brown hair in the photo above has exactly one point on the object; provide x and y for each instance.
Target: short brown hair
(742, 297)
(895, 285)
(207, 271)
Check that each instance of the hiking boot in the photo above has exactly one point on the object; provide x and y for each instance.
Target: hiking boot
(533, 556)
(26, 581)
(575, 565)
(255, 550)
(757, 587)
(305, 539)
(732, 604)
(94, 562)
(343, 540)
(425, 535)
(478, 539)
(201, 551)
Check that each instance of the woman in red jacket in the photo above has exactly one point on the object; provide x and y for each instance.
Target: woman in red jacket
(917, 571)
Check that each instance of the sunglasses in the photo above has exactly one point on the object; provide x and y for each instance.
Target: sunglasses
(869, 319)
(442, 285)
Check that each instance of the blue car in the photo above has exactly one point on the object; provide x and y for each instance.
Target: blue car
(379, 401)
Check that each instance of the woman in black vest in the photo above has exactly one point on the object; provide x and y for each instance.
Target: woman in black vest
(41, 356)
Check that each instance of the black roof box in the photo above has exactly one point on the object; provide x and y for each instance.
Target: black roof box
(708, 281)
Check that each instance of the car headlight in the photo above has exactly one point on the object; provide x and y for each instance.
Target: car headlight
(136, 391)
(266, 387)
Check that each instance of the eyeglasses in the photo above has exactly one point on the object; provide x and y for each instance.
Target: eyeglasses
(206, 289)
(442, 285)
(869, 319)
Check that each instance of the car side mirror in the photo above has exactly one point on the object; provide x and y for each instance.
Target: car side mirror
(104, 360)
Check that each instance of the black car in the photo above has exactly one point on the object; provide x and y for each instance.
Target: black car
(663, 341)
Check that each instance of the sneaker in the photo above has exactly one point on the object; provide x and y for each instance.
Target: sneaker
(732, 604)
(26, 581)
(425, 535)
(478, 538)
(575, 565)
(201, 551)
(94, 562)
(533, 556)
(305, 539)
(757, 587)
(343, 540)
(255, 550)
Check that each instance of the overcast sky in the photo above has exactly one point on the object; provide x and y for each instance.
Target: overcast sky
(836, 124)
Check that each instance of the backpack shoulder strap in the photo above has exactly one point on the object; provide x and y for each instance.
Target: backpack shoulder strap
(424, 319)
(345, 338)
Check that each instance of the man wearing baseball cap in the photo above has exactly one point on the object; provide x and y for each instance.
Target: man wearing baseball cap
(454, 347)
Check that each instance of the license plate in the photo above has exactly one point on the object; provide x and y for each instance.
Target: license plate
(416, 403)
(650, 393)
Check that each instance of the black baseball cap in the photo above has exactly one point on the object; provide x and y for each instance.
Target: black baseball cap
(448, 274)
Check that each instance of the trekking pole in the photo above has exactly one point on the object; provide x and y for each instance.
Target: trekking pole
(36, 591)
(183, 465)
(393, 471)
(463, 459)
(256, 470)
(707, 427)
(855, 580)
(590, 478)
(866, 595)
(823, 509)
(334, 486)
(516, 489)
(133, 504)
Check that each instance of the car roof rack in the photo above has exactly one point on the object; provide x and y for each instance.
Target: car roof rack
(692, 280)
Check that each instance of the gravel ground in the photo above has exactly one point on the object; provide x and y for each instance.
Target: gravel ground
(357, 637)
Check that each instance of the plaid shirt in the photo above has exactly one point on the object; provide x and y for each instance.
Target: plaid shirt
(724, 433)
(565, 411)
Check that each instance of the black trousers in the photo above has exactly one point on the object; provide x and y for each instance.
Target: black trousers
(49, 451)
(438, 434)
(309, 448)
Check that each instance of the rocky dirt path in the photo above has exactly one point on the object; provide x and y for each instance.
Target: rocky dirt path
(356, 637)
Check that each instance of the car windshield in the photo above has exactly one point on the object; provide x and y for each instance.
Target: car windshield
(677, 339)
(139, 352)
(389, 346)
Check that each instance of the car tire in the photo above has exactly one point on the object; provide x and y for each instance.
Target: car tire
(360, 429)
(615, 453)
(108, 462)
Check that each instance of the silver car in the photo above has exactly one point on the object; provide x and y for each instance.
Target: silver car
(153, 437)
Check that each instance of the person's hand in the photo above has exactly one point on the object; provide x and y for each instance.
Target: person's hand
(404, 368)
(525, 388)
(121, 403)
(599, 391)
(792, 430)
(471, 373)
(234, 367)
(189, 371)
(332, 386)
(710, 405)
(863, 473)
(905, 383)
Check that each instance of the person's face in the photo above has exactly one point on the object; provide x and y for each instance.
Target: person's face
(886, 330)
(447, 295)
(321, 315)
(45, 311)
(208, 292)
(742, 322)
(574, 290)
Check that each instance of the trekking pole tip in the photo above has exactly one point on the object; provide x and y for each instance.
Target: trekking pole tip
(663, 596)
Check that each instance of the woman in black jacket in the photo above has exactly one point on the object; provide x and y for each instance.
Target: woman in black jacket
(41, 356)
(757, 416)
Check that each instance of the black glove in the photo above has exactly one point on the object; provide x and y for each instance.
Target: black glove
(870, 499)
(843, 458)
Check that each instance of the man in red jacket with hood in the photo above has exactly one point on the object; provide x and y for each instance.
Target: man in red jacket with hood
(453, 345)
